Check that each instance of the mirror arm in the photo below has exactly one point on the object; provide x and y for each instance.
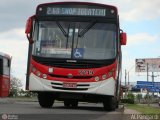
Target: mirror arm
(29, 39)
(121, 31)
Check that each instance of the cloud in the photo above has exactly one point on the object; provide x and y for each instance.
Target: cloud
(14, 43)
(13, 34)
(134, 10)
(140, 10)
(140, 38)
(15, 13)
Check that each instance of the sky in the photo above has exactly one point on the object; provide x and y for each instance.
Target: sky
(140, 19)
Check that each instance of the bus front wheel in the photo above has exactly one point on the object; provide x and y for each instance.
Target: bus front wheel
(45, 100)
(67, 103)
(74, 103)
(109, 103)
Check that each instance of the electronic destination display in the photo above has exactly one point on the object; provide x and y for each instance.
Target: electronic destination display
(75, 11)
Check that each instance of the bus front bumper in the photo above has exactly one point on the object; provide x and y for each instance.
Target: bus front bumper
(105, 87)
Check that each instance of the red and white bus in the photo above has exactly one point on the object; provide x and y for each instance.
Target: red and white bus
(5, 64)
(75, 53)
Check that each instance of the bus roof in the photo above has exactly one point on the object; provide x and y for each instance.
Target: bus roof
(5, 55)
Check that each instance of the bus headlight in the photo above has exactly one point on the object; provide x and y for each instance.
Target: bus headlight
(110, 73)
(33, 69)
(38, 73)
(96, 78)
(44, 76)
(104, 77)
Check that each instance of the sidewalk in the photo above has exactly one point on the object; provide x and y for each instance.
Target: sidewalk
(127, 110)
(13, 100)
(6, 100)
(130, 111)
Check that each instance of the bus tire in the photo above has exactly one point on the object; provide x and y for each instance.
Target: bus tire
(45, 100)
(109, 103)
(74, 103)
(67, 103)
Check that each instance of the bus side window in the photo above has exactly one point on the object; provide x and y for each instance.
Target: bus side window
(1, 66)
(9, 63)
(5, 66)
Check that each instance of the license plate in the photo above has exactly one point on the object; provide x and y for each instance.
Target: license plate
(69, 85)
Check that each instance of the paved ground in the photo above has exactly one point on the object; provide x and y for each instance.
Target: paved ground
(30, 110)
(21, 100)
(130, 111)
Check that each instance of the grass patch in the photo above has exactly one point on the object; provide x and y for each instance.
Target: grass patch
(144, 109)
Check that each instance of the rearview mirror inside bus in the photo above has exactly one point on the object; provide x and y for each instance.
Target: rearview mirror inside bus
(123, 38)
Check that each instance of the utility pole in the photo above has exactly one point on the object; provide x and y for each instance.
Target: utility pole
(125, 83)
(128, 74)
(128, 78)
(147, 89)
(153, 82)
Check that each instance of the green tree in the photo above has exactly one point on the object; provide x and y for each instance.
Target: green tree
(25, 93)
(139, 97)
(15, 86)
(130, 95)
(147, 96)
(30, 94)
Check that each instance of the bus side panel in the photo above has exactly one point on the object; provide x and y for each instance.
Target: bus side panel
(4, 86)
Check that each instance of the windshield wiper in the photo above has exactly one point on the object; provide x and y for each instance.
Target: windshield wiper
(89, 26)
(61, 28)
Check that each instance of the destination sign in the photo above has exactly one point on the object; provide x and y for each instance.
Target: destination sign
(76, 11)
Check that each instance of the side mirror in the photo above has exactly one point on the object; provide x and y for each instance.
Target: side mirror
(123, 38)
(29, 25)
(28, 29)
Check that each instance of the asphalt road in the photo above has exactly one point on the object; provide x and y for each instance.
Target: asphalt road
(32, 111)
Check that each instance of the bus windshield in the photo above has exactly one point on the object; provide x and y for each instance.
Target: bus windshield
(75, 40)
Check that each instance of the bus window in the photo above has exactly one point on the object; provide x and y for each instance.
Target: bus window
(5, 66)
(1, 66)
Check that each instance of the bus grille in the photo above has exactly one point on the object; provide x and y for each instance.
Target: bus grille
(62, 63)
(74, 77)
(69, 65)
